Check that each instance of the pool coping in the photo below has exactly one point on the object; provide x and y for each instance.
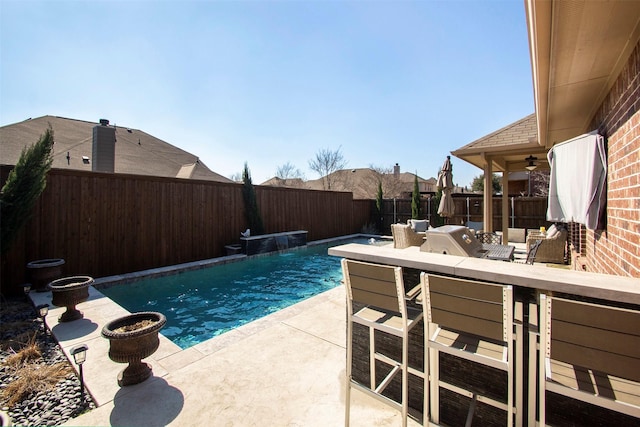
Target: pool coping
(127, 278)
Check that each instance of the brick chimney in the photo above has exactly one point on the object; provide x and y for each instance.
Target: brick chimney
(396, 171)
(104, 147)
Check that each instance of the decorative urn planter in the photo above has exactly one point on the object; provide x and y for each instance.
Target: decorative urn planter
(131, 339)
(43, 271)
(69, 291)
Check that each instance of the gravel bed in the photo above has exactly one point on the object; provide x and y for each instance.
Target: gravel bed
(18, 323)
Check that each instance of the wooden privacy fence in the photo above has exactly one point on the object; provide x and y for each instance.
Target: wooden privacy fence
(106, 224)
(524, 212)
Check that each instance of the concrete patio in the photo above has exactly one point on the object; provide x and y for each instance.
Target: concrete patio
(284, 370)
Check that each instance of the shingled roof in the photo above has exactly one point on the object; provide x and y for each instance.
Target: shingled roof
(136, 152)
(362, 182)
(511, 144)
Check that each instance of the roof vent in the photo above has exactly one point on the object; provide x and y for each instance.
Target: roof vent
(104, 122)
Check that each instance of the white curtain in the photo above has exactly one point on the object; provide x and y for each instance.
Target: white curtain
(577, 188)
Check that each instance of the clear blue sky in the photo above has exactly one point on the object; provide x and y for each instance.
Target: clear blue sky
(271, 82)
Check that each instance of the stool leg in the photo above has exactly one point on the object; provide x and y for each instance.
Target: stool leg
(435, 385)
(372, 358)
(425, 410)
(405, 378)
(347, 391)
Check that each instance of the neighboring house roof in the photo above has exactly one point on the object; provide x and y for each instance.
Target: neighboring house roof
(136, 152)
(506, 147)
(362, 182)
(285, 182)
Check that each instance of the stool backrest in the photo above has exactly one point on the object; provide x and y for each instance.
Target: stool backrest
(477, 308)
(375, 285)
(593, 336)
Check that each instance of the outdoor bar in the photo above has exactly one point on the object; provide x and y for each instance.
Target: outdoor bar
(528, 282)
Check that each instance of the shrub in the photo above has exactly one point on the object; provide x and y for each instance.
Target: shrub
(24, 185)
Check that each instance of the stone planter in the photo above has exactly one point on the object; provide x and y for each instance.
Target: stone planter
(131, 340)
(43, 271)
(4, 419)
(69, 291)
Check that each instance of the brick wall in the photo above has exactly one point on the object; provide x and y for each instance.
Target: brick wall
(616, 250)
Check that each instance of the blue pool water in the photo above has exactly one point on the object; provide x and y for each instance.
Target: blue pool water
(201, 304)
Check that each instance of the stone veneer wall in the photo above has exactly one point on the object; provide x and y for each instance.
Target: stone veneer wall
(616, 250)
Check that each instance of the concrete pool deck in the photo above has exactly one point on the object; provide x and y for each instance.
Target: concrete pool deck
(287, 369)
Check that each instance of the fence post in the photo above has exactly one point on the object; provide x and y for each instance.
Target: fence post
(468, 218)
(395, 218)
(513, 214)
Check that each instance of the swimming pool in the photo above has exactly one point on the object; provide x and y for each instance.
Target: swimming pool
(201, 304)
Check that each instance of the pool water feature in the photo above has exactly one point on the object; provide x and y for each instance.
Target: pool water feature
(201, 304)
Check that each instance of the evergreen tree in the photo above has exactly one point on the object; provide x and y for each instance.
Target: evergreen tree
(251, 211)
(435, 202)
(379, 206)
(24, 185)
(478, 183)
(415, 199)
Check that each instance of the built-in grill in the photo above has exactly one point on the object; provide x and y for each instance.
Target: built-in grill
(453, 240)
(458, 240)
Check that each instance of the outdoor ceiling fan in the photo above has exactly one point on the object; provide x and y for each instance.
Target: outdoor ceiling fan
(531, 163)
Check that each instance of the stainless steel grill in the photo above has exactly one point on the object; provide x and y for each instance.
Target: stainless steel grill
(453, 240)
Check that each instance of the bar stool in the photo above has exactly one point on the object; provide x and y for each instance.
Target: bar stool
(589, 352)
(379, 289)
(470, 320)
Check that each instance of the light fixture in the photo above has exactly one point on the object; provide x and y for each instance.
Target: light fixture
(531, 165)
(79, 354)
(43, 310)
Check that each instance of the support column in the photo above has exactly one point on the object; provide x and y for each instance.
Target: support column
(488, 196)
(505, 207)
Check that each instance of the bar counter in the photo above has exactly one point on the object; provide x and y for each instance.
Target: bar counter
(528, 281)
(540, 277)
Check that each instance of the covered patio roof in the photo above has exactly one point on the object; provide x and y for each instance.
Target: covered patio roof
(577, 51)
(506, 148)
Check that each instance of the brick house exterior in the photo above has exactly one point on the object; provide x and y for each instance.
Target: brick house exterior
(585, 59)
(616, 250)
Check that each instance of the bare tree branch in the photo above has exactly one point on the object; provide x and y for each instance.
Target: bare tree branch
(289, 171)
(325, 163)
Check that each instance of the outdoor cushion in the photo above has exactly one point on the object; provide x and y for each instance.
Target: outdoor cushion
(419, 225)
(552, 231)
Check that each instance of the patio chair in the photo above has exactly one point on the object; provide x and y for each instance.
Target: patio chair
(490, 238)
(591, 353)
(377, 293)
(475, 226)
(419, 225)
(471, 320)
(517, 235)
(404, 236)
(531, 255)
(553, 247)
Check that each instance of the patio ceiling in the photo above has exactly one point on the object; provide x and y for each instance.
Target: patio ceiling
(577, 50)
